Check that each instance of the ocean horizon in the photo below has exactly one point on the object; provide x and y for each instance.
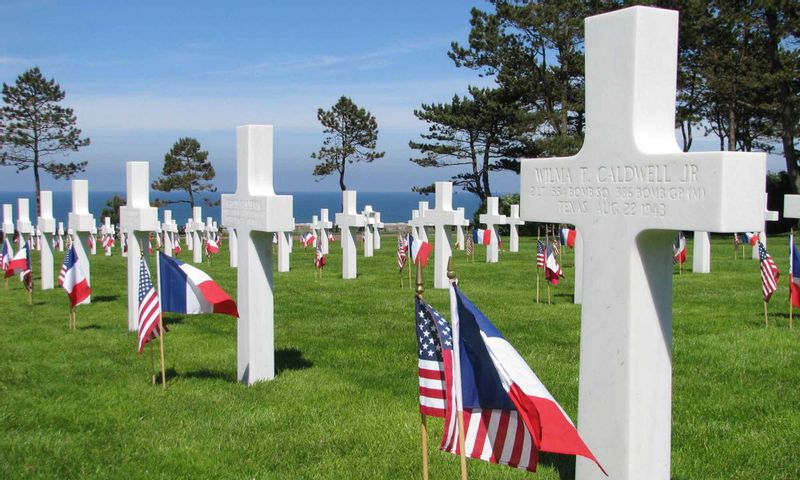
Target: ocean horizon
(394, 206)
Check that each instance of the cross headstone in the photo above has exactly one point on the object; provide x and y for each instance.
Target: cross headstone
(255, 212)
(376, 233)
(24, 226)
(414, 222)
(197, 234)
(189, 234)
(285, 249)
(791, 206)
(369, 221)
(38, 234)
(8, 221)
(349, 220)
(166, 227)
(627, 191)
(422, 221)
(80, 221)
(60, 235)
(93, 233)
(46, 224)
(442, 217)
(137, 218)
(315, 228)
(769, 216)
(233, 243)
(108, 231)
(324, 226)
(577, 288)
(492, 218)
(701, 256)
(514, 222)
(460, 240)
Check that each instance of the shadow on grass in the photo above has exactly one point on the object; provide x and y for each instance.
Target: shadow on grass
(172, 319)
(563, 464)
(105, 298)
(89, 327)
(204, 374)
(290, 359)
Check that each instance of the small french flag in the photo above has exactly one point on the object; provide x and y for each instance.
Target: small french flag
(189, 290)
(481, 236)
(568, 237)
(212, 246)
(751, 238)
(420, 251)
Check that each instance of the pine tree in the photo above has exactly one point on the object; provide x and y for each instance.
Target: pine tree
(33, 127)
(186, 168)
(111, 209)
(352, 135)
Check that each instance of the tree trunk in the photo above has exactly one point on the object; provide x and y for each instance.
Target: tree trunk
(485, 173)
(341, 175)
(731, 130)
(36, 178)
(787, 117)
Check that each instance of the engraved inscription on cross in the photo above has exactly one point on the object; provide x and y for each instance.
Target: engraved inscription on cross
(137, 218)
(255, 212)
(627, 191)
(442, 218)
(80, 222)
(492, 218)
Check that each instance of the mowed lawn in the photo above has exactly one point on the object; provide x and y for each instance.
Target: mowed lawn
(344, 402)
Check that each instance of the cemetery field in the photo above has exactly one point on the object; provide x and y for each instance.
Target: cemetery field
(344, 402)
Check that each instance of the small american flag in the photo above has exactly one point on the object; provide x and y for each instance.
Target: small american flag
(402, 252)
(736, 241)
(469, 245)
(540, 260)
(435, 354)
(769, 273)
(319, 258)
(149, 307)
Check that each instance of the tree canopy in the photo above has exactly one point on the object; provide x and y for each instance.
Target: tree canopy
(352, 136)
(188, 169)
(34, 127)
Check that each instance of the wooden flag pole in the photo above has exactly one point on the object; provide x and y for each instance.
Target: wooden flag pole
(766, 317)
(152, 363)
(451, 275)
(792, 266)
(161, 348)
(420, 292)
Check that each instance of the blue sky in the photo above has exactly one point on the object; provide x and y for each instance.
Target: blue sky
(142, 74)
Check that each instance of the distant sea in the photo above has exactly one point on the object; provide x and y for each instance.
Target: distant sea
(394, 206)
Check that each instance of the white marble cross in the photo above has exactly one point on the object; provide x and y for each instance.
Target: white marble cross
(422, 221)
(80, 221)
(93, 233)
(442, 218)
(324, 226)
(108, 230)
(169, 238)
(137, 219)
(197, 234)
(627, 191)
(348, 221)
(315, 228)
(460, 240)
(46, 224)
(376, 234)
(492, 218)
(8, 221)
(60, 239)
(369, 222)
(413, 223)
(514, 222)
(255, 212)
(187, 231)
(791, 206)
(285, 249)
(769, 216)
(701, 254)
(233, 244)
(24, 226)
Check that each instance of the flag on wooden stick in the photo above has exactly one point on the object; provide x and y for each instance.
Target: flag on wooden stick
(769, 272)
(149, 307)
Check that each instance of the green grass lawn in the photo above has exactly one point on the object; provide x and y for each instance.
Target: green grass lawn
(344, 402)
